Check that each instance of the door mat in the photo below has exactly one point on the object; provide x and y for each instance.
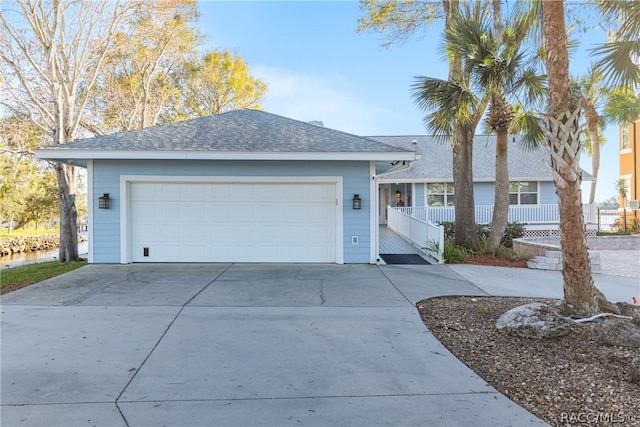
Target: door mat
(403, 259)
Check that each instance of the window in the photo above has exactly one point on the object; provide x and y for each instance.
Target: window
(401, 194)
(523, 193)
(624, 143)
(627, 188)
(441, 194)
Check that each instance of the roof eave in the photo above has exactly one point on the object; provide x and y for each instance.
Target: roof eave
(72, 156)
(433, 179)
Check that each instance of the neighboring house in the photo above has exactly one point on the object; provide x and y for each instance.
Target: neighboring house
(630, 177)
(242, 186)
(429, 180)
(630, 164)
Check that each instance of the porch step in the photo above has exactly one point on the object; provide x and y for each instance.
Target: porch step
(552, 260)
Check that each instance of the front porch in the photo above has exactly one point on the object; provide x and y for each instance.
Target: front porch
(392, 243)
(423, 235)
(539, 220)
(529, 214)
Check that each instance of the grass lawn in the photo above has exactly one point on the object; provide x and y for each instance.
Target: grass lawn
(4, 233)
(18, 277)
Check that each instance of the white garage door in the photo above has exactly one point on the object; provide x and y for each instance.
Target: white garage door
(233, 222)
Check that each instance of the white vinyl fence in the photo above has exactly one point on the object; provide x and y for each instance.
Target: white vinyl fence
(419, 231)
(528, 214)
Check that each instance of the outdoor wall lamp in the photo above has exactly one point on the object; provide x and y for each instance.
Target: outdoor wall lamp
(357, 201)
(103, 202)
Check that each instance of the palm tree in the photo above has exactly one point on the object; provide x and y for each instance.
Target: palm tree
(592, 97)
(453, 113)
(561, 126)
(493, 58)
(492, 66)
(602, 105)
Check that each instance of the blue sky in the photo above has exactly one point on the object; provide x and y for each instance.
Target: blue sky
(318, 67)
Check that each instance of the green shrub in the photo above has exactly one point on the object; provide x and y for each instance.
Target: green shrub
(449, 230)
(514, 230)
(453, 253)
(511, 254)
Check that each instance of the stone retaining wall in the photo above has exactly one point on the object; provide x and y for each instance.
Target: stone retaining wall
(546, 254)
(29, 244)
(552, 260)
(531, 248)
(623, 242)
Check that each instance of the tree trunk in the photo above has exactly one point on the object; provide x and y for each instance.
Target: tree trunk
(465, 224)
(595, 167)
(592, 124)
(562, 132)
(500, 216)
(68, 216)
(466, 234)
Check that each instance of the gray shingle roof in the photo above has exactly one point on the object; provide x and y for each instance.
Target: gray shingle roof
(234, 131)
(436, 162)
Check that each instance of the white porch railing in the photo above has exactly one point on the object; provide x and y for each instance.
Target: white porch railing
(420, 232)
(529, 214)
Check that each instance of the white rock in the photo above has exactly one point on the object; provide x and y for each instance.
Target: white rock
(535, 320)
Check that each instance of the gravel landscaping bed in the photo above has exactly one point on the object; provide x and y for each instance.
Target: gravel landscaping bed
(565, 381)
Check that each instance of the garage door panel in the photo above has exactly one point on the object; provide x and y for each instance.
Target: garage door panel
(193, 191)
(219, 192)
(270, 212)
(233, 222)
(243, 212)
(243, 193)
(317, 193)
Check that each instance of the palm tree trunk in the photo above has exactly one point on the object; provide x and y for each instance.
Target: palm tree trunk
(595, 167)
(562, 132)
(500, 216)
(466, 234)
(465, 224)
(592, 124)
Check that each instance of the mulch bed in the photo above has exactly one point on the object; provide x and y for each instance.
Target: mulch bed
(482, 259)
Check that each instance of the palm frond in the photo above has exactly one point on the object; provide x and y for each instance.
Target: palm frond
(527, 123)
(617, 62)
(622, 106)
(446, 103)
(532, 85)
(627, 13)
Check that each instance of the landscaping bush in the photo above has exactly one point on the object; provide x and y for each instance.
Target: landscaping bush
(451, 253)
(514, 230)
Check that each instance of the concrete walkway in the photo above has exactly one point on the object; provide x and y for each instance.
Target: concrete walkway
(242, 344)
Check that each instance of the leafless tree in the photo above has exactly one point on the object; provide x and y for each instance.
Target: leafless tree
(51, 53)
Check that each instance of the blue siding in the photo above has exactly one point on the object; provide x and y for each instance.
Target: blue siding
(548, 193)
(418, 194)
(106, 179)
(484, 193)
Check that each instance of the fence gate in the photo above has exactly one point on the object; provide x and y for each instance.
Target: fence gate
(625, 220)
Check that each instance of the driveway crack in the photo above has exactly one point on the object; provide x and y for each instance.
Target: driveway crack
(322, 301)
(135, 374)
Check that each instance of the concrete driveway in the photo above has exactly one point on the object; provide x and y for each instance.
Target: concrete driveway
(238, 345)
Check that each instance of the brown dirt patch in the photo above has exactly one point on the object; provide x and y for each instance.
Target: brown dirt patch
(496, 261)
